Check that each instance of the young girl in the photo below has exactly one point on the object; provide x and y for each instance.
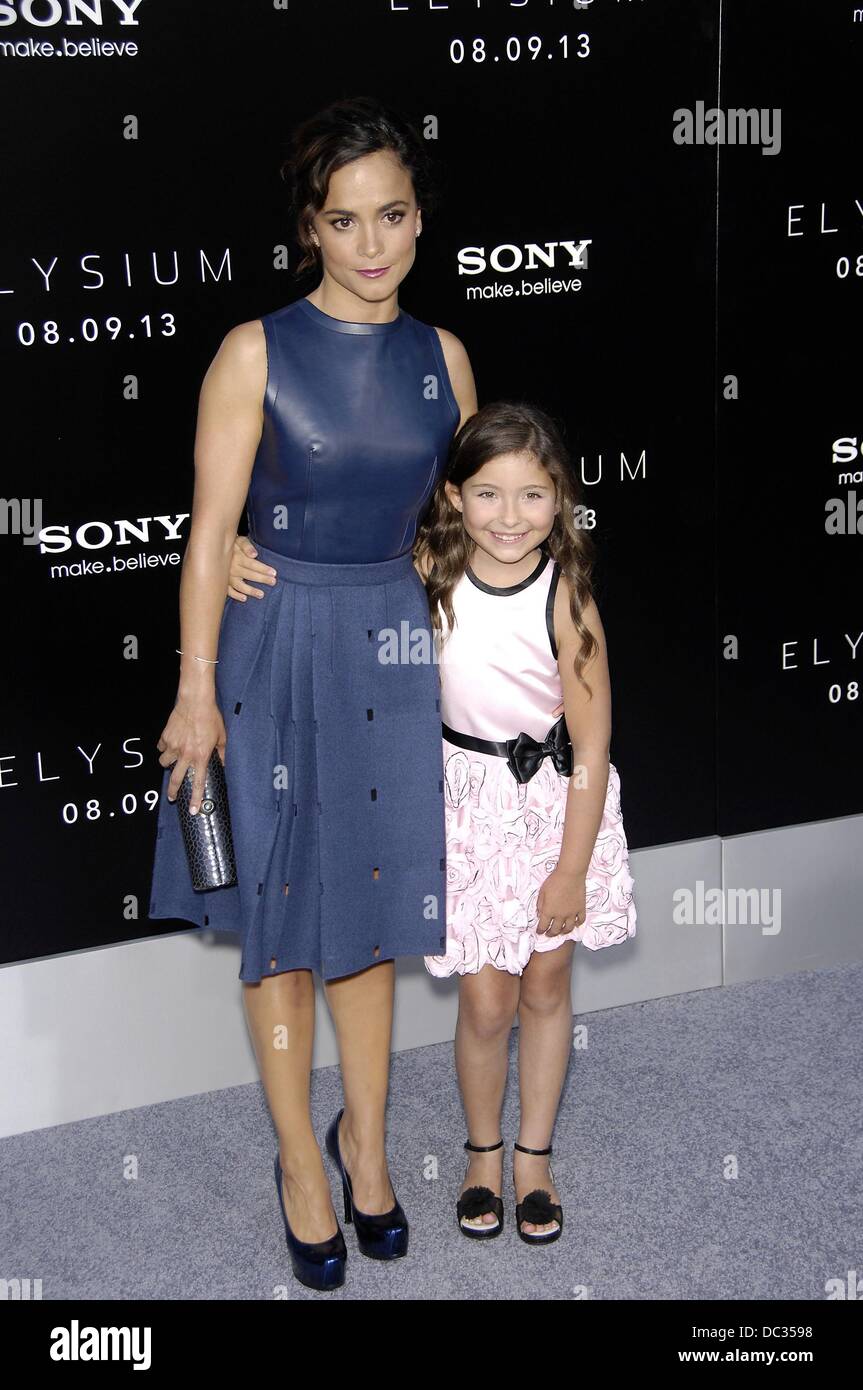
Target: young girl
(537, 856)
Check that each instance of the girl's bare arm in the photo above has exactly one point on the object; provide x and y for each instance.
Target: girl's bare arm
(589, 724)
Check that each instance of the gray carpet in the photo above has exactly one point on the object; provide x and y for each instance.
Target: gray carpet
(666, 1096)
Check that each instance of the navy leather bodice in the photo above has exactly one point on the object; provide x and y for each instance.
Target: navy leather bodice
(358, 419)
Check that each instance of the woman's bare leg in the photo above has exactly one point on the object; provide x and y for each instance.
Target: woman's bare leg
(280, 1011)
(544, 1041)
(487, 1005)
(362, 1009)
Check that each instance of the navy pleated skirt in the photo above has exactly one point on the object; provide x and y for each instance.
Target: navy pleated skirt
(334, 768)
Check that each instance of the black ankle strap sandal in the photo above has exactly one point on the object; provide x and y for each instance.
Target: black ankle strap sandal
(538, 1208)
(476, 1201)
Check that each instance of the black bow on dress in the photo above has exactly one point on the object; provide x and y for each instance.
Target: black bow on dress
(524, 754)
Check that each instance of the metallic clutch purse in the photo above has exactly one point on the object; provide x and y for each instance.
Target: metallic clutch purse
(207, 836)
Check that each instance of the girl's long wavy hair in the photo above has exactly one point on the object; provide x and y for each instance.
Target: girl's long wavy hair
(337, 135)
(444, 546)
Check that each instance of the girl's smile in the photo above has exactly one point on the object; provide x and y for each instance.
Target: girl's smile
(508, 539)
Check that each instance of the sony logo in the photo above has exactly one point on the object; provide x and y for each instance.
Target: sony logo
(44, 14)
(507, 258)
(95, 535)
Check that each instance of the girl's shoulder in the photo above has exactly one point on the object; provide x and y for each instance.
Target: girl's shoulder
(566, 633)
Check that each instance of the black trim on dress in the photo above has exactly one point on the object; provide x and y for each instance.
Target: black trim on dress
(511, 588)
(549, 609)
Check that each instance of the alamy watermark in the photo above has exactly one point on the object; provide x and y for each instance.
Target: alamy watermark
(758, 126)
(713, 907)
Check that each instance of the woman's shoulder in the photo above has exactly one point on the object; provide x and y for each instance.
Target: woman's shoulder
(245, 345)
(448, 341)
(239, 368)
(245, 341)
(454, 351)
(458, 366)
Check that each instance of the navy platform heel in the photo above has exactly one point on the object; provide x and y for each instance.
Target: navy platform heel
(320, 1264)
(381, 1236)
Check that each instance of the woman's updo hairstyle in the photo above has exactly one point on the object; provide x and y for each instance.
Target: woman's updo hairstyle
(346, 130)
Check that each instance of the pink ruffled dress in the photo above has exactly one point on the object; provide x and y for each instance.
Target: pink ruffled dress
(499, 678)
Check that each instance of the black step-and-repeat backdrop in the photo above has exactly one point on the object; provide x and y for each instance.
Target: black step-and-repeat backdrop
(789, 527)
(670, 263)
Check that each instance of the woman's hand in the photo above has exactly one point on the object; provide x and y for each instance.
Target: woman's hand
(243, 567)
(562, 903)
(193, 730)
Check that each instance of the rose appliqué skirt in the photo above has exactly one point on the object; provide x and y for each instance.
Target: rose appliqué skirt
(503, 840)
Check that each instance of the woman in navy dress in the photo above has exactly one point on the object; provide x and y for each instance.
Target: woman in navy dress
(331, 419)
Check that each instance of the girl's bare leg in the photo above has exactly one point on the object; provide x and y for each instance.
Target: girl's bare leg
(544, 1041)
(486, 1012)
(280, 1011)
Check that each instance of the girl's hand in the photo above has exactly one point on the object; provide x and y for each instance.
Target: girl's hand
(193, 730)
(243, 567)
(561, 897)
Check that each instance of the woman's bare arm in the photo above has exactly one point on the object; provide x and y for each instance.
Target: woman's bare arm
(230, 420)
